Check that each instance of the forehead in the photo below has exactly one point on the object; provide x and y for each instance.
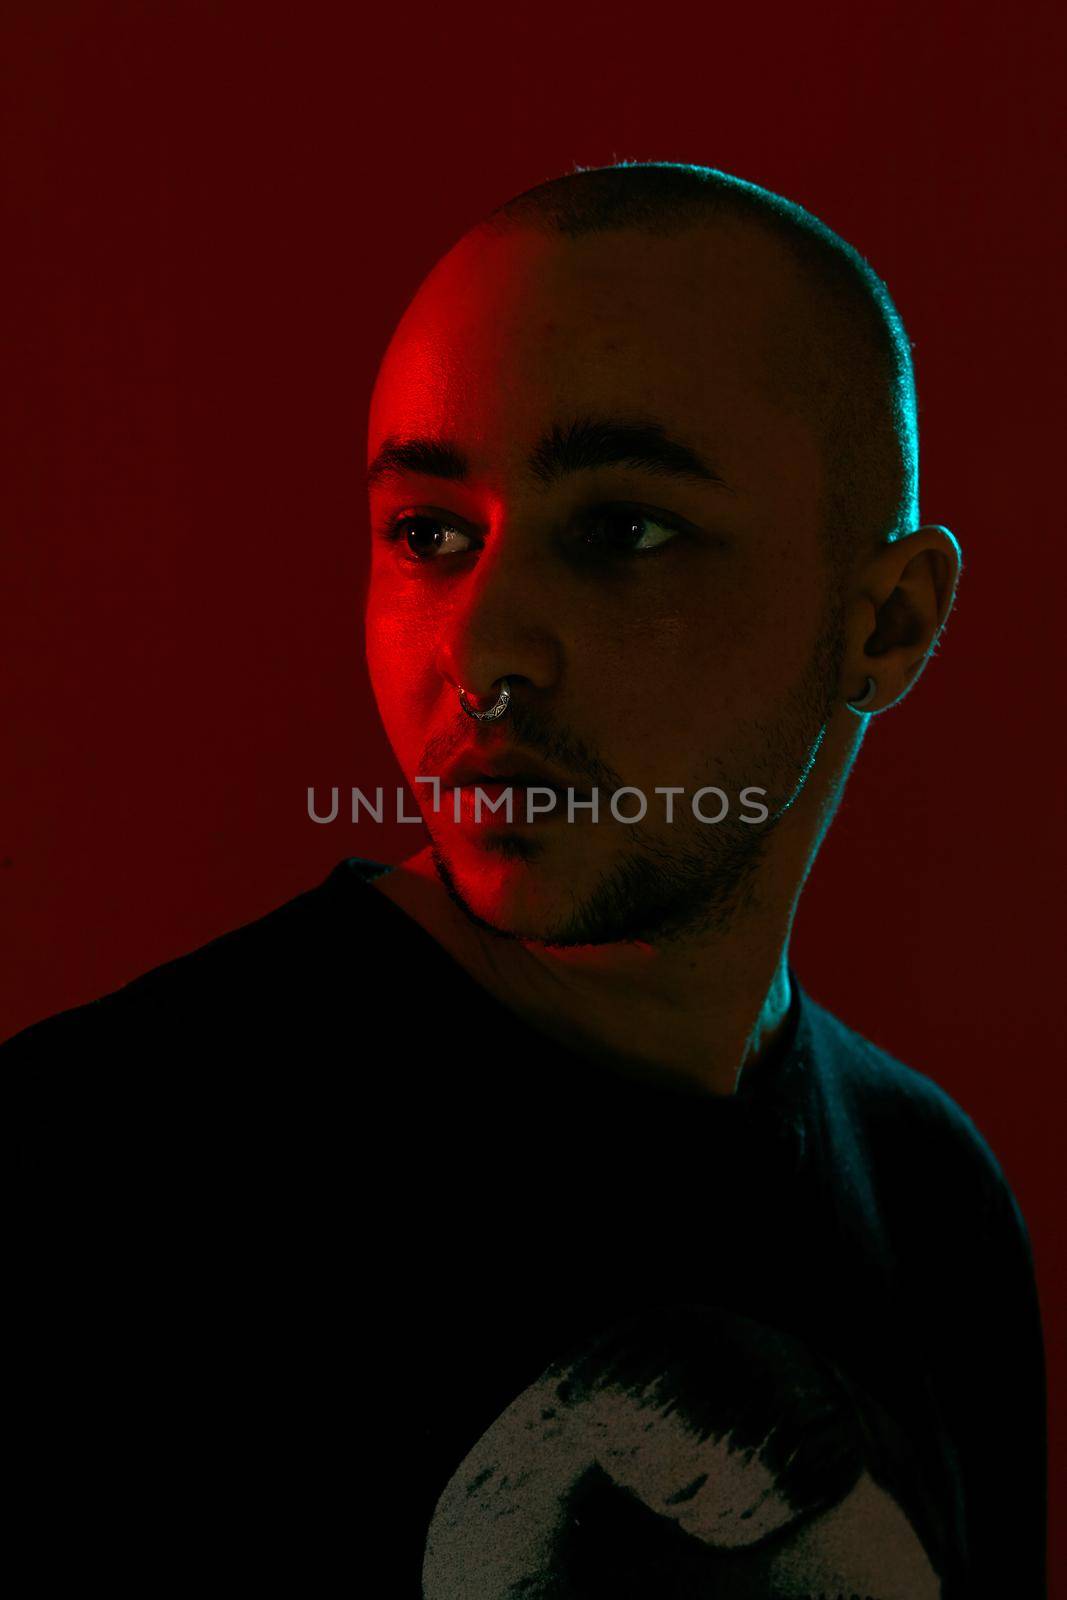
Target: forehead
(512, 332)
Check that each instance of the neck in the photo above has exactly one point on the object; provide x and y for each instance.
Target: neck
(695, 1012)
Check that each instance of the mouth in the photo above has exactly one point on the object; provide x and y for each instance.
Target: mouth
(498, 772)
(510, 780)
(493, 787)
(516, 799)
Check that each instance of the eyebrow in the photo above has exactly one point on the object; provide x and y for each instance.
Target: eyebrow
(432, 458)
(579, 446)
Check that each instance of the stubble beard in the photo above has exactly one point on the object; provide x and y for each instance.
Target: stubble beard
(688, 878)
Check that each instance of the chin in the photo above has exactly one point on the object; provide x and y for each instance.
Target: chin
(513, 884)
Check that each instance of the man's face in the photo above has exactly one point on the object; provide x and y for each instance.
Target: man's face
(661, 618)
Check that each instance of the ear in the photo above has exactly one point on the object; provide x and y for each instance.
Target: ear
(901, 601)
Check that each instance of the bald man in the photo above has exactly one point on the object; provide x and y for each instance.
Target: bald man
(314, 1207)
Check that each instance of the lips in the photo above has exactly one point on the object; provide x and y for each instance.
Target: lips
(513, 780)
(518, 772)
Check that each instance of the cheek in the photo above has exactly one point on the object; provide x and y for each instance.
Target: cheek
(678, 650)
(400, 651)
(751, 629)
(639, 690)
(700, 672)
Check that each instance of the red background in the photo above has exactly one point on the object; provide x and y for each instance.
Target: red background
(217, 213)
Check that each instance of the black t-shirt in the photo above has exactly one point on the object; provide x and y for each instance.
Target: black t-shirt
(334, 1268)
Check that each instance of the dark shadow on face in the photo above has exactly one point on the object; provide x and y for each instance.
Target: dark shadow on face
(688, 878)
(710, 661)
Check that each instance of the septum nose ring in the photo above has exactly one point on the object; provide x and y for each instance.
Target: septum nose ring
(495, 711)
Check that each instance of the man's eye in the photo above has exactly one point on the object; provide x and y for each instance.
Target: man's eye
(623, 530)
(607, 531)
(429, 538)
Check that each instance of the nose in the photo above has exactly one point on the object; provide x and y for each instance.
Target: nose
(499, 628)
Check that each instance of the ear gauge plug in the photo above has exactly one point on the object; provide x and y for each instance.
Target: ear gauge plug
(865, 698)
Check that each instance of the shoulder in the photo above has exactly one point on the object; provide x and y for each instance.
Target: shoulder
(207, 1063)
(913, 1135)
(289, 954)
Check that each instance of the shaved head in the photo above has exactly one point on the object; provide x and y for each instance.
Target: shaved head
(544, 391)
(643, 445)
(842, 357)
